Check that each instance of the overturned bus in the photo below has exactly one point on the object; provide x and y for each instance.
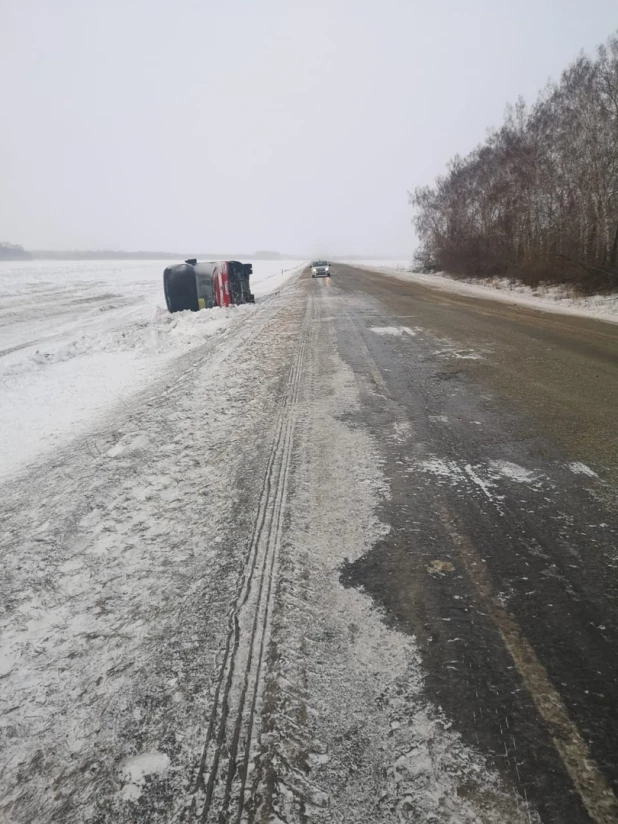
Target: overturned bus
(192, 285)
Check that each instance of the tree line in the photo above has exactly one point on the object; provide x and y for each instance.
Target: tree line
(538, 200)
(12, 251)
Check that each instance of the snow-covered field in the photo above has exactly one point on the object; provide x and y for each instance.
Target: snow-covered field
(76, 338)
(547, 298)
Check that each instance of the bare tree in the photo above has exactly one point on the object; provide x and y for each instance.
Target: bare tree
(539, 199)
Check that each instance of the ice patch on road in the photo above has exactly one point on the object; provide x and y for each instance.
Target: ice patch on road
(458, 354)
(484, 476)
(387, 330)
(401, 431)
(395, 331)
(514, 472)
(444, 469)
(484, 484)
(579, 468)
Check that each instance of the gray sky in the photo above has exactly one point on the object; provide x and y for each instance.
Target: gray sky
(267, 124)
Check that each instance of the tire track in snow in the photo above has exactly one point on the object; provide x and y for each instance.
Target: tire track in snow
(225, 763)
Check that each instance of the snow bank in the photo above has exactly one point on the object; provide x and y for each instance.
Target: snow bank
(77, 338)
(162, 334)
(546, 298)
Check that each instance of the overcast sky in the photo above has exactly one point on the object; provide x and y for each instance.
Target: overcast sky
(237, 125)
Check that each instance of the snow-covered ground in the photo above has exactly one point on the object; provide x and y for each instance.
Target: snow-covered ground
(547, 298)
(177, 644)
(76, 338)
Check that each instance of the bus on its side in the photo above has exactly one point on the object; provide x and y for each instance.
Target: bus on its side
(194, 285)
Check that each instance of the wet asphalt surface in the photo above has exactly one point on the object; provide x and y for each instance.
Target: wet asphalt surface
(502, 553)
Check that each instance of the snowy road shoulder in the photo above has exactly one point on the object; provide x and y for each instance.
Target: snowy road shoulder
(120, 560)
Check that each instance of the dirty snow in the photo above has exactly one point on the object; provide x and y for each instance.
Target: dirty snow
(493, 473)
(485, 476)
(458, 354)
(396, 331)
(77, 338)
(514, 472)
(441, 468)
(579, 468)
(546, 298)
(135, 768)
(387, 330)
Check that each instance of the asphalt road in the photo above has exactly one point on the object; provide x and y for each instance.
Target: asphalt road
(502, 550)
